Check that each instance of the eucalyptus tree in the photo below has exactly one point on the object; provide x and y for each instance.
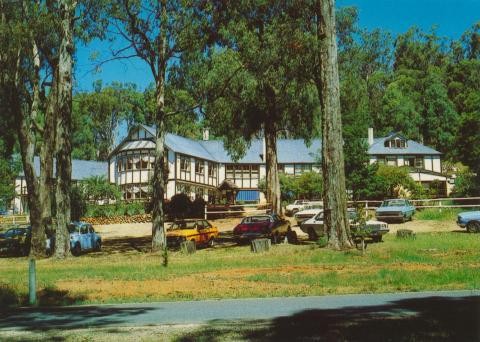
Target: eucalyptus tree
(249, 86)
(161, 33)
(36, 84)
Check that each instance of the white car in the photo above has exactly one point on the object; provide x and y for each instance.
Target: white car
(299, 205)
(315, 228)
(308, 212)
(295, 207)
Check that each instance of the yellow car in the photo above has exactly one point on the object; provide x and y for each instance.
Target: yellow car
(198, 230)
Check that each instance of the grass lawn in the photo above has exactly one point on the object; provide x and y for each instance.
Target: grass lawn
(433, 261)
(447, 214)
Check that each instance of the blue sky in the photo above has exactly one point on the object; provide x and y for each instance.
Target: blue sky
(452, 18)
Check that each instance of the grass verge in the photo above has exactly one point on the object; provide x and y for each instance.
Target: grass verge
(434, 261)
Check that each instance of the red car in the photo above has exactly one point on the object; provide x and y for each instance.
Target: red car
(269, 226)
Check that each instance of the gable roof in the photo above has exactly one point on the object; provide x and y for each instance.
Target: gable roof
(413, 147)
(81, 169)
(289, 150)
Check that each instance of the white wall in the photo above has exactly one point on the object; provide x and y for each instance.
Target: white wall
(437, 167)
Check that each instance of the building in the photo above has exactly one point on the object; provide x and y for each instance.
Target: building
(81, 169)
(425, 163)
(203, 168)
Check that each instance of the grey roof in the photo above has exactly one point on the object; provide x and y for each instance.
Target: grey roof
(81, 169)
(289, 150)
(413, 147)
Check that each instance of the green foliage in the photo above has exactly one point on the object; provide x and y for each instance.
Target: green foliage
(9, 170)
(117, 209)
(466, 184)
(445, 214)
(98, 188)
(308, 185)
(392, 177)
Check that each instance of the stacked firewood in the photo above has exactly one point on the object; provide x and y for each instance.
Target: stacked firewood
(143, 218)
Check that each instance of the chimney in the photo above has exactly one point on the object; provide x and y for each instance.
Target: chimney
(370, 136)
(206, 134)
(264, 149)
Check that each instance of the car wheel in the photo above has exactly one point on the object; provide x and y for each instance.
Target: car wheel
(312, 235)
(473, 227)
(377, 238)
(275, 239)
(292, 237)
(76, 250)
(98, 245)
(294, 211)
(211, 242)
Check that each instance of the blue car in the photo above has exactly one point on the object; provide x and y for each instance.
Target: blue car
(83, 238)
(469, 220)
(395, 209)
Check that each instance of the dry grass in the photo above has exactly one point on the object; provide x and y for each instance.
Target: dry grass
(124, 272)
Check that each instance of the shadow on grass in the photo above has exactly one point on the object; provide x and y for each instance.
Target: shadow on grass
(49, 296)
(421, 319)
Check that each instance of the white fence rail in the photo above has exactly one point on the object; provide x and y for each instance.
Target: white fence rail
(14, 219)
(440, 203)
(238, 210)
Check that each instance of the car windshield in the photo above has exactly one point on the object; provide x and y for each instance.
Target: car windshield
(183, 225)
(393, 203)
(255, 219)
(10, 233)
(72, 228)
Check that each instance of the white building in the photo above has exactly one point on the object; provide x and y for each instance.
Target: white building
(203, 168)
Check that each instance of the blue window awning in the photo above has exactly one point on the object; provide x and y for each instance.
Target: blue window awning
(248, 195)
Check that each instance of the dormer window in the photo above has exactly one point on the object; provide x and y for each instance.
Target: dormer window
(396, 143)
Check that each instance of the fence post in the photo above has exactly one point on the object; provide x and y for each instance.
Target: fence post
(32, 282)
(205, 211)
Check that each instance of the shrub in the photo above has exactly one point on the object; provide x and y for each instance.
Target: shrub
(198, 208)
(180, 206)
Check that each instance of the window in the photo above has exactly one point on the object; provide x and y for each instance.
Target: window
(212, 170)
(129, 163)
(396, 143)
(419, 163)
(184, 164)
(230, 173)
(391, 161)
(199, 166)
(409, 161)
(301, 168)
(255, 171)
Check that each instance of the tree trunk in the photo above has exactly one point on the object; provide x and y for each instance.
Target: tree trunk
(63, 131)
(158, 230)
(273, 182)
(334, 192)
(159, 239)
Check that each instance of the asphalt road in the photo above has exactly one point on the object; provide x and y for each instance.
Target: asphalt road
(403, 304)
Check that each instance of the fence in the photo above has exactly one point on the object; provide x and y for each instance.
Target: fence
(14, 219)
(241, 210)
(440, 203)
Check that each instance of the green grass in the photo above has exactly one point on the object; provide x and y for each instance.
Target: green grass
(447, 214)
(433, 261)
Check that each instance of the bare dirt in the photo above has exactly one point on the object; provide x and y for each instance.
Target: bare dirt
(226, 225)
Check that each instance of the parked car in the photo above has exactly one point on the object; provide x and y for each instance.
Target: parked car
(197, 230)
(299, 205)
(269, 226)
(83, 238)
(395, 209)
(315, 227)
(308, 212)
(469, 220)
(17, 241)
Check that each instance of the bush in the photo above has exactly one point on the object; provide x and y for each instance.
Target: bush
(180, 206)
(198, 208)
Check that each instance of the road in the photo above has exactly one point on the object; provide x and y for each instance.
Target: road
(404, 304)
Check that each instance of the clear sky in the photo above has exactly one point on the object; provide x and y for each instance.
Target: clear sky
(451, 17)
